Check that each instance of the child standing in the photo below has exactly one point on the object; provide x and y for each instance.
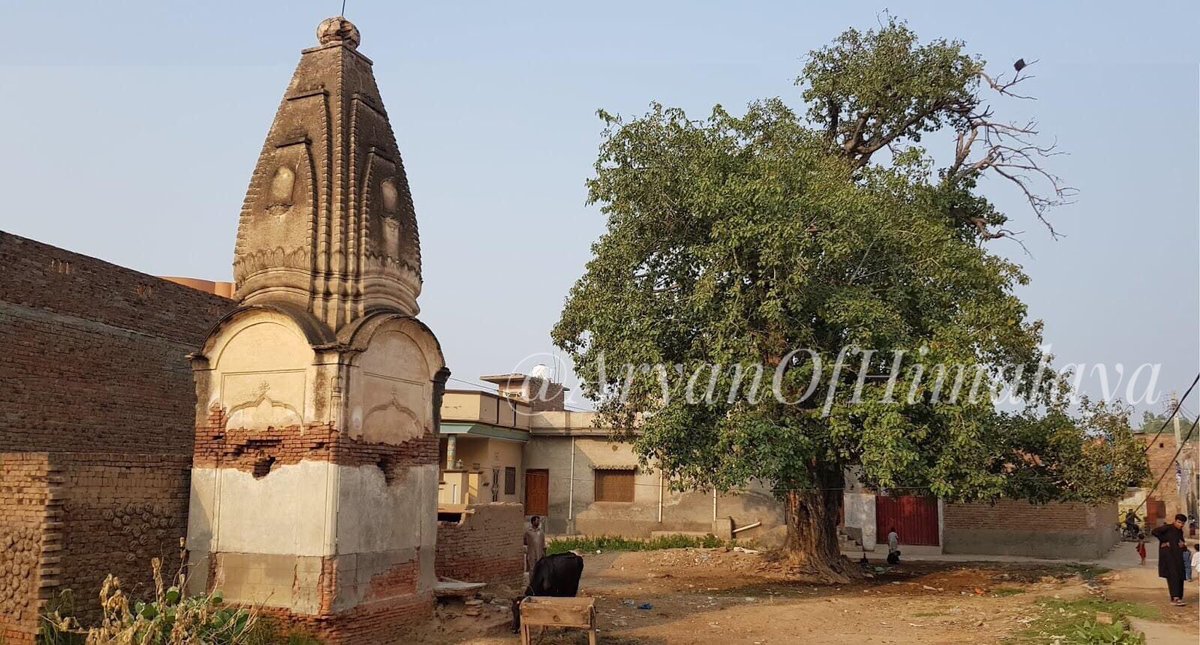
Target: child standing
(1141, 548)
(1187, 564)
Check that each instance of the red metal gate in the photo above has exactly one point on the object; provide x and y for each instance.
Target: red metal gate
(915, 519)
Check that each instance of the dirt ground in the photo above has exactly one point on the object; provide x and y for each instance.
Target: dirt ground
(718, 596)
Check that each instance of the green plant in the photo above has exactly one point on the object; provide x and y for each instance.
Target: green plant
(48, 631)
(1074, 621)
(171, 618)
(614, 543)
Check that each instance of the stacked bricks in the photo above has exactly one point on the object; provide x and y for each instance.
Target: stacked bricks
(487, 545)
(28, 547)
(118, 513)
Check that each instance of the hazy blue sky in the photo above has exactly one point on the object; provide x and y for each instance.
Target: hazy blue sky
(131, 129)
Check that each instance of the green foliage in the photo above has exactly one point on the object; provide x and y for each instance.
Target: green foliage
(735, 240)
(171, 618)
(49, 631)
(1153, 423)
(868, 90)
(609, 543)
(1056, 462)
(1074, 621)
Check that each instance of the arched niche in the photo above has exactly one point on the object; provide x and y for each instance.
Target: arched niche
(392, 379)
(261, 370)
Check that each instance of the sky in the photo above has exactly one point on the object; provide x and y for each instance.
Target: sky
(131, 130)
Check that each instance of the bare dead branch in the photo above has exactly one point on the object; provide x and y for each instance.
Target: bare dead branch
(1009, 151)
(1004, 86)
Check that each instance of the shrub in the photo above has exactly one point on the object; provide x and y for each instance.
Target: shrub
(171, 618)
(612, 543)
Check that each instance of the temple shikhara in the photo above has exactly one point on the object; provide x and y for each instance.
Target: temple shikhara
(315, 477)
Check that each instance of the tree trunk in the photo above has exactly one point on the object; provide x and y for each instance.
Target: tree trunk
(812, 541)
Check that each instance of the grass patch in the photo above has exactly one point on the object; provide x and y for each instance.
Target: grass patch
(1004, 592)
(1074, 621)
(607, 543)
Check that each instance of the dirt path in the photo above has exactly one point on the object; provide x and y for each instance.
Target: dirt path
(1131, 582)
(714, 596)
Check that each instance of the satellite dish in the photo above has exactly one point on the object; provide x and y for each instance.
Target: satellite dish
(540, 371)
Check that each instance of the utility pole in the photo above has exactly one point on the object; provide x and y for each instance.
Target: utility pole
(1175, 421)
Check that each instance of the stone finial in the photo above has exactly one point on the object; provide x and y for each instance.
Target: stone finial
(338, 30)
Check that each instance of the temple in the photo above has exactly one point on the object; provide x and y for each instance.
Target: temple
(315, 469)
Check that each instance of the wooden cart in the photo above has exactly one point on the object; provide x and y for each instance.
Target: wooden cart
(546, 611)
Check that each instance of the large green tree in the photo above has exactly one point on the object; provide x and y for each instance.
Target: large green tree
(734, 241)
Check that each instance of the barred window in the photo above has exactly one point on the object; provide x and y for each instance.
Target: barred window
(510, 480)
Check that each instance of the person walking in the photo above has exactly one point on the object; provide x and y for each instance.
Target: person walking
(1170, 557)
(535, 543)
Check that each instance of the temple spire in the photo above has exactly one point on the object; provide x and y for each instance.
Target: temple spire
(328, 222)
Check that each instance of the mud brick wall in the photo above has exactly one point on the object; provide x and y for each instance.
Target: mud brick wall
(118, 512)
(26, 512)
(485, 546)
(93, 355)
(1056, 530)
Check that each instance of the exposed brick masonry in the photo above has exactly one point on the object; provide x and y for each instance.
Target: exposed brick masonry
(25, 492)
(486, 546)
(1057, 530)
(257, 451)
(119, 512)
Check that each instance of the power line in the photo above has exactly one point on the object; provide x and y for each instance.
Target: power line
(1178, 404)
(1170, 466)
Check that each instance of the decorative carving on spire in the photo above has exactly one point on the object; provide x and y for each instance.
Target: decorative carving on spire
(328, 222)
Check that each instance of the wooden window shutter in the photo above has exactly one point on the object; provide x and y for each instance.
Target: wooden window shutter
(614, 485)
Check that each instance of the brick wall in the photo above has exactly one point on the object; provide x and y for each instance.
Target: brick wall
(1160, 455)
(1056, 530)
(93, 354)
(118, 512)
(25, 499)
(69, 519)
(486, 546)
(97, 420)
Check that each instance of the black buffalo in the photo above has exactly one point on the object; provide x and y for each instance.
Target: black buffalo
(554, 575)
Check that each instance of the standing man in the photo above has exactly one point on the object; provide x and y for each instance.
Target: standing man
(1170, 556)
(535, 543)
